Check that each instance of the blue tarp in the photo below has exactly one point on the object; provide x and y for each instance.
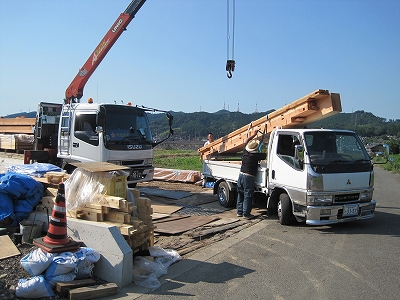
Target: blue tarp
(19, 194)
(35, 169)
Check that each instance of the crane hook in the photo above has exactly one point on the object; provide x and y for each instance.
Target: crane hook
(230, 67)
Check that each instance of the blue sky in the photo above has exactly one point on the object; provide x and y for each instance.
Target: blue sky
(173, 55)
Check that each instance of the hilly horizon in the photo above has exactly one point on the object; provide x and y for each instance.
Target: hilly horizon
(196, 125)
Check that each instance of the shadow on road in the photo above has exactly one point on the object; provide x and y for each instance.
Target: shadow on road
(383, 223)
(205, 272)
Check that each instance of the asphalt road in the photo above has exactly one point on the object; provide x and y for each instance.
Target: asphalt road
(359, 260)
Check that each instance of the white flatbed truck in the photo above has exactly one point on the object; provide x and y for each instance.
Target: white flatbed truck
(316, 176)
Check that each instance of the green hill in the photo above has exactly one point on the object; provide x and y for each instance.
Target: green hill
(196, 126)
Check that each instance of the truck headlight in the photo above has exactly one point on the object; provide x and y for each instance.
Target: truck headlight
(148, 161)
(319, 199)
(115, 162)
(366, 196)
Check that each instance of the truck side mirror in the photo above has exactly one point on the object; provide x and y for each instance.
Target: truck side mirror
(299, 152)
(99, 129)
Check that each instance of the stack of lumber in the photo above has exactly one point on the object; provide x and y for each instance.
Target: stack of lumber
(133, 221)
(17, 125)
(16, 141)
(313, 107)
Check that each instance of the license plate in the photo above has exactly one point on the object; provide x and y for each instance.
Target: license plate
(350, 210)
(136, 174)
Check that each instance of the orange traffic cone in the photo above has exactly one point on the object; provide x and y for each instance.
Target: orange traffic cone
(57, 232)
(56, 239)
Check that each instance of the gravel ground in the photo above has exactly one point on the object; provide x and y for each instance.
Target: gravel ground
(11, 271)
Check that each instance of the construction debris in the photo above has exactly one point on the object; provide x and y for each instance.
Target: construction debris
(16, 142)
(176, 175)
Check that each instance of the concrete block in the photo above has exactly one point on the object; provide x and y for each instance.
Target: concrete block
(116, 262)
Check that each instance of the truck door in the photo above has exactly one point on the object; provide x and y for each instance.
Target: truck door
(284, 170)
(85, 140)
(46, 125)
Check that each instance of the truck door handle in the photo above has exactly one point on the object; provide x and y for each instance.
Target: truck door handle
(273, 174)
(75, 145)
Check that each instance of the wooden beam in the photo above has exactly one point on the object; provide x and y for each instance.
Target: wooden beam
(315, 106)
(17, 125)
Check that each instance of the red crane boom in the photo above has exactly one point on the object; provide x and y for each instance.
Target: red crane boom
(74, 91)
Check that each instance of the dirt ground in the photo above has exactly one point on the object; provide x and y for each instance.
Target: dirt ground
(196, 201)
(201, 201)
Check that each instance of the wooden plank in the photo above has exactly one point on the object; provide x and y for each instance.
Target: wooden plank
(99, 166)
(17, 121)
(7, 247)
(62, 288)
(96, 208)
(26, 129)
(91, 292)
(313, 107)
(116, 216)
(171, 218)
(158, 216)
(182, 225)
(127, 230)
(176, 175)
(107, 200)
(165, 209)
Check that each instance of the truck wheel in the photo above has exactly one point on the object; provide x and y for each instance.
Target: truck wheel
(285, 214)
(225, 195)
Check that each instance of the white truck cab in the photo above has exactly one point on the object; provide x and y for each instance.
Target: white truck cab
(93, 132)
(316, 176)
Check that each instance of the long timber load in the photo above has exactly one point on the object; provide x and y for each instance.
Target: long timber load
(17, 125)
(313, 107)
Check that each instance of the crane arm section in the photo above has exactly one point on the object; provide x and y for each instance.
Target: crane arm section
(313, 107)
(74, 91)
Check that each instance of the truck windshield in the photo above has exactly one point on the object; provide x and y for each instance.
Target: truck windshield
(126, 125)
(329, 148)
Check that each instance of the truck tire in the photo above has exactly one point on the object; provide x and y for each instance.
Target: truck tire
(285, 214)
(225, 195)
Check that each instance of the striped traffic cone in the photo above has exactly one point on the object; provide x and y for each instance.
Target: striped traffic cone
(56, 239)
(57, 232)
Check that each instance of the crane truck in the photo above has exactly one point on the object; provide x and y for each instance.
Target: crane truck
(316, 176)
(71, 131)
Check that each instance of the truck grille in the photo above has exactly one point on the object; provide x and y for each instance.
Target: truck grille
(132, 162)
(347, 198)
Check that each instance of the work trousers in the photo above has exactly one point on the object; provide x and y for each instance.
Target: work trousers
(245, 189)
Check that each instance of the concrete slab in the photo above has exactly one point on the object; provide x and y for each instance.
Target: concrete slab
(116, 262)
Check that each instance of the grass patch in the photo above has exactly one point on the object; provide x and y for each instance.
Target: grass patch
(190, 160)
(177, 159)
(394, 164)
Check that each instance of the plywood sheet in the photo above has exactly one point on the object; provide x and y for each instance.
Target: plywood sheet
(165, 209)
(99, 166)
(165, 193)
(158, 216)
(182, 225)
(170, 218)
(7, 247)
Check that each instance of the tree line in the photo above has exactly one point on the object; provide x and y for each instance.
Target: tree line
(196, 126)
